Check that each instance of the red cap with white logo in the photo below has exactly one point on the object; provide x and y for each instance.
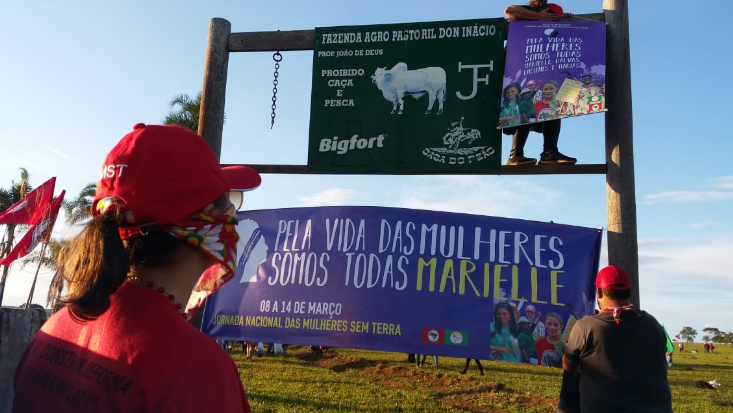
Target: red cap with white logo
(164, 173)
(613, 278)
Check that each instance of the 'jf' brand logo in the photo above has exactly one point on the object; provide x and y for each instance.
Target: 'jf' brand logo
(341, 146)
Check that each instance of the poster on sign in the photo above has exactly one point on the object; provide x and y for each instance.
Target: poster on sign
(553, 70)
(405, 280)
(407, 98)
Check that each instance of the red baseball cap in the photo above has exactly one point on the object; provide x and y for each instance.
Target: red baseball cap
(555, 8)
(164, 173)
(613, 278)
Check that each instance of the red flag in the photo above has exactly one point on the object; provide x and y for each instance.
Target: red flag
(40, 232)
(31, 206)
(433, 335)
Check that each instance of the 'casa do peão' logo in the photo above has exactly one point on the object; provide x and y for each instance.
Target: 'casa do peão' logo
(458, 147)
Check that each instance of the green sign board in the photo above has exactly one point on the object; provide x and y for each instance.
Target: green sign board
(407, 98)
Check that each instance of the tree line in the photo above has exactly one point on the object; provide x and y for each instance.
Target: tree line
(709, 334)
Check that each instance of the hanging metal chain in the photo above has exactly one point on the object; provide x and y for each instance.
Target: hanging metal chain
(277, 57)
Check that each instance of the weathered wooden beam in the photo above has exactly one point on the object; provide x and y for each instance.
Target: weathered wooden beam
(305, 39)
(272, 41)
(503, 170)
(214, 89)
(623, 247)
(599, 17)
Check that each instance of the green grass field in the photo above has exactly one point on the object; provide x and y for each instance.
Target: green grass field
(343, 380)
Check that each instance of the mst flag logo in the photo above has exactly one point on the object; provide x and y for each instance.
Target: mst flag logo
(40, 232)
(433, 335)
(30, 208)
(447, 337)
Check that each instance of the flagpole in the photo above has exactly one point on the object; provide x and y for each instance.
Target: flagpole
(33, 286)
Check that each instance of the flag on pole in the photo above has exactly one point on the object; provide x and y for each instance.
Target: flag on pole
(29, 209)
(40, 232)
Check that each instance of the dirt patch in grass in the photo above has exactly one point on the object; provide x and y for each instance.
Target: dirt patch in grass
(470, 393)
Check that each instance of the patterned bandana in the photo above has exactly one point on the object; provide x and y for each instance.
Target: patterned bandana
(617, 311)
(216, 236)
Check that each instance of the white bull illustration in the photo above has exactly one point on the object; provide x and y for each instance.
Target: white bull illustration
(397, 82)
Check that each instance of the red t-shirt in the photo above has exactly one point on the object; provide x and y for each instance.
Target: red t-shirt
(139, 356)
(545, 111)
(548, 354)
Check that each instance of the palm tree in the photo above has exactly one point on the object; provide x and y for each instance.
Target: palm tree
(8, 197)
(185, 112)
(49, 260)
(80, 208)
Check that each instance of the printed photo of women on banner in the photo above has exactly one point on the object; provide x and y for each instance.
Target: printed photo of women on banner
(522, 333)
(553, 70)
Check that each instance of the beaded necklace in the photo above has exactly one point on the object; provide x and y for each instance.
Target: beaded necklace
(169, 296)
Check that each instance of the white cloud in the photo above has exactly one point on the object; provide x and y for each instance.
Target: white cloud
(723, 182)
(703, 224)
(711, 261)
(57, 152)
(681, 279)
(477, 195)
(687, 196)
(332, 196)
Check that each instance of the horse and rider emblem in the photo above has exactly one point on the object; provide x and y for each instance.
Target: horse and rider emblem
(457, 146)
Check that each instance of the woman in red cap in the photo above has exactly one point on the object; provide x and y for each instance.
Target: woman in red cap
(161, 239)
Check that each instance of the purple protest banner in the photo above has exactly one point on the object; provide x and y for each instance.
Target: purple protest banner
(405, 280)
(553, 70)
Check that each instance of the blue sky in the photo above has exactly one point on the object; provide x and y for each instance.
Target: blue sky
(78, 75)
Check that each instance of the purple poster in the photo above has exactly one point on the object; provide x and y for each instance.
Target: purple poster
(406, 280)
(553, 70)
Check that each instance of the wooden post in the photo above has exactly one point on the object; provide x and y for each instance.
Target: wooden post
(213, 93)
(213, 96)
(623, 249)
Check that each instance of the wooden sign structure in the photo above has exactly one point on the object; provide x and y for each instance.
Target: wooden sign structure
(619, 166)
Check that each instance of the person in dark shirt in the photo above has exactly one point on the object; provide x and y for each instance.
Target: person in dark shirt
(619, 352)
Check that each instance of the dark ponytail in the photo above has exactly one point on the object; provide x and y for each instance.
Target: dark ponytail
(94, 264)
(97, 261)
